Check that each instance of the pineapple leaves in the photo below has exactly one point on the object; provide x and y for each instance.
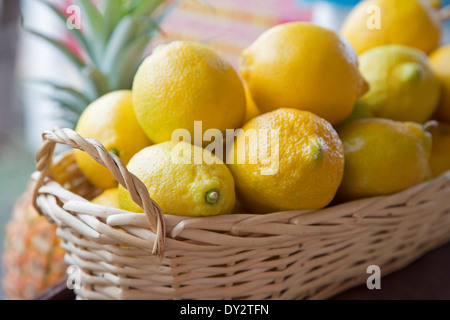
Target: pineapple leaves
(112, 14)
(144, 7)
(64, 99)
(113, 39)
(67, 102)
(74, 31)
(96, 82)
(69, 98)
(75, 94)
(130, 59)
(61, 46)
(111, 31)
(125, 31)
(93, 23)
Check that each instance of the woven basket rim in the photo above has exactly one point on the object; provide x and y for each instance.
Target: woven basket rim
(173, 225)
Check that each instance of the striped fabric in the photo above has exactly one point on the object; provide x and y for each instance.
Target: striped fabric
(228, 26)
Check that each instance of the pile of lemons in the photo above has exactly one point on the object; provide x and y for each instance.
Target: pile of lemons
(315, 117)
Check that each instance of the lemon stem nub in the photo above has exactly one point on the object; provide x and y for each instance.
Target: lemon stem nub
(430, 124)
(212, 196)
(115, 152)
(411, 72)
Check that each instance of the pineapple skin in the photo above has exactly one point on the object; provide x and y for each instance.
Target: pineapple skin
(32, 257)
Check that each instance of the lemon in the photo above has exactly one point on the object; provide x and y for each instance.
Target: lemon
(440, 152)
(440, 64)
(183, 82)
(402, 85)
(372, 23)
(110, 120)
(360, 111)
(108, 197)
(293, 160)
(252, 110)
(303, 66)
(383, 156)
(182, 179)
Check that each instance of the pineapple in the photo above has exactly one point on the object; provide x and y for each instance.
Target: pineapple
(110, 45)
(32, 258)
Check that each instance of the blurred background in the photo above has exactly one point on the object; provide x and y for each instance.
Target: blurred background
(25, 110)
(16, 160)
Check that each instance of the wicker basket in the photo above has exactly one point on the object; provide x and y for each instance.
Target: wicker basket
(283, 255)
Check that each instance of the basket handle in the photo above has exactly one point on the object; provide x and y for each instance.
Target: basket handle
(98, 152)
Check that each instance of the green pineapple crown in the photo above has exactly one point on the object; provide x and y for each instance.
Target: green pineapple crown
(112, 41)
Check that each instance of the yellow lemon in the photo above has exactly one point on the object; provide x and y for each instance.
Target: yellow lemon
(440, 64)
(293, 160)
(360, 111)
(182, 179)
(372, 23)
(402, 85)
(108, 197)
(440, 152)
(110, 120)
(303, 66)
(183, 82)
(252, 109)
(383, 156)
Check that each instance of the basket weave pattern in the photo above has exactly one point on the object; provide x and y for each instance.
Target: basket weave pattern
(282, 255)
